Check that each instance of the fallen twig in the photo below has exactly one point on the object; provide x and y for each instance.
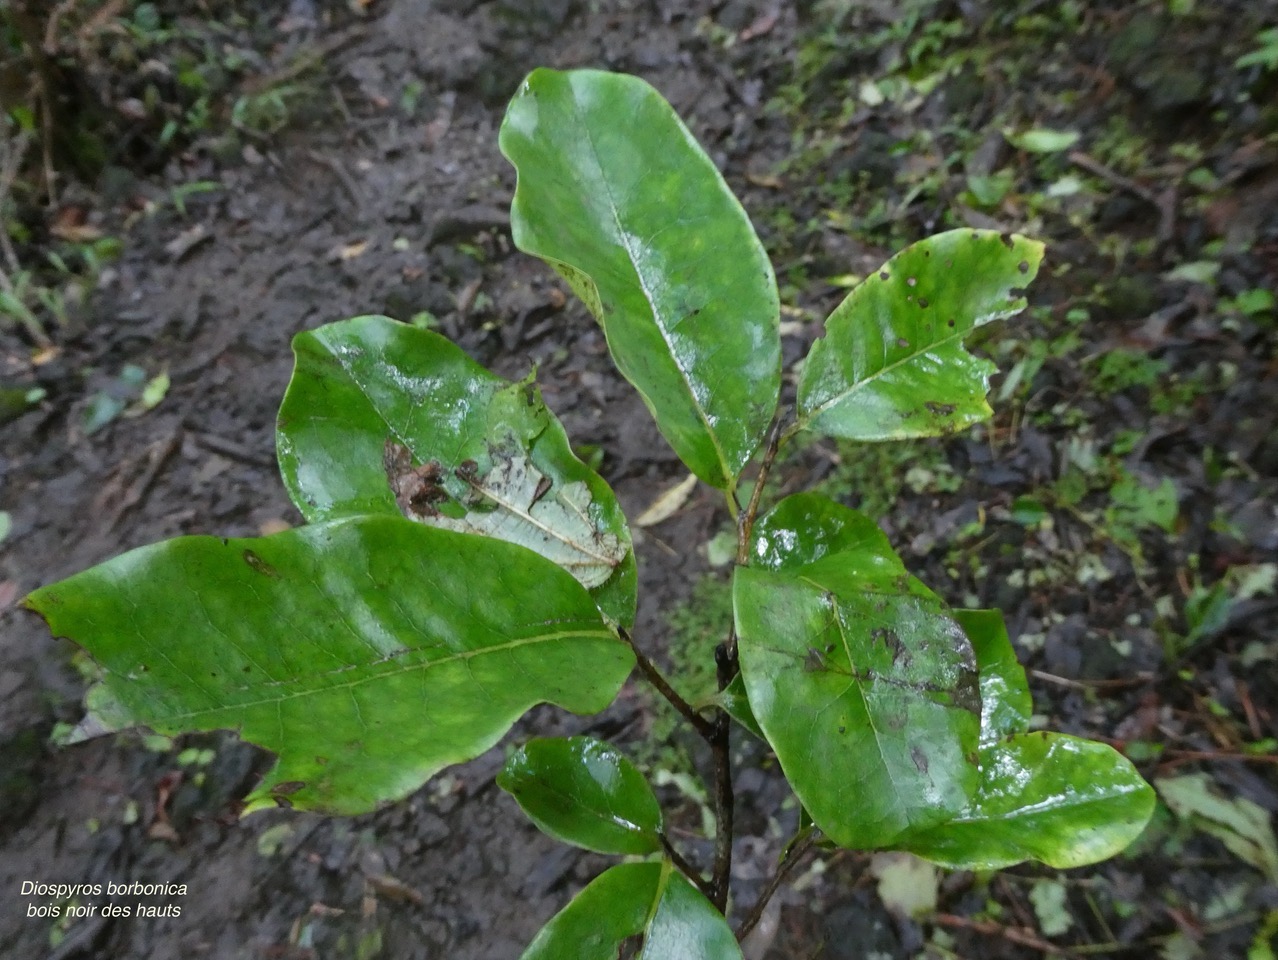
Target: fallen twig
(157, 456)
(1164, 203)
(1015, 935)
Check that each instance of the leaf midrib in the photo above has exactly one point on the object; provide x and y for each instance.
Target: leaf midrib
(648, 298)
(526, 516)
(888, 368)
(462, 655)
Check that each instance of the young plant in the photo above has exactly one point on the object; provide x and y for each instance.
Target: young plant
(460, 564)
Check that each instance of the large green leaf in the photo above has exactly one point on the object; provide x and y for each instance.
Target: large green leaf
(377, 408)
(1006, 705)
(863, 685)
(892, 362)
(652, 900)
(1049, 797)
(617, 196)
(582, 791)
(1043, 796)
(367, 653)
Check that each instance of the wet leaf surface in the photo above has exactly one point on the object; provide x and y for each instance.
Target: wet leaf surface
(892, 362)
(585, 792)
(649, 899)
(1062, 800)
(617, 195)
(1006, 705)
(856, 674)
(384, 418)
(361, 651)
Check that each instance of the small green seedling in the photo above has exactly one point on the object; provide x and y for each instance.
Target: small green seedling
(460, 564)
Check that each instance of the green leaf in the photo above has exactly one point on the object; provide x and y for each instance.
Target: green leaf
(989, 190)
(155, 391)
(736, 704)
(618, 197)
(892, 362)
(1265, 55)
(1195, 271)
(1043, 796)
(1135, 506)
(1006, 704)
(1041, 139)
(1240, 824)
(807, 527)
(584, 792)
(377, 408)
(367, 653)
(652, 900)
(856, 675)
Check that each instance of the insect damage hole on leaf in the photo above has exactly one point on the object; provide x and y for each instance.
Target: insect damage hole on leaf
(515, 502)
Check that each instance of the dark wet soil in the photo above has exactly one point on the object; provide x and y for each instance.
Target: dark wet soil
(370, 206)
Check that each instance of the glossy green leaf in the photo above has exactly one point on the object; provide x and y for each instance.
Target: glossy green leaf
(379, 412)
(892, 363)
(1043, 796)
(584, 792)
(1006, 704)
(652, 900)
(807, 527)
(367, 653)
(618, 197)
(863, 685)
(736, 703)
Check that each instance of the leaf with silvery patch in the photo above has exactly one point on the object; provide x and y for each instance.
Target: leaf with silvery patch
(382, 418)
(514, 502)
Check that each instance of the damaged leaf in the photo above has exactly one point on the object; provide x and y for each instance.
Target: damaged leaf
(892, 363)
(856, 674)
(517, 503)
(382, 417)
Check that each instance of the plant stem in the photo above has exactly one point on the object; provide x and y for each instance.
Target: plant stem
(649, 669)
(721, 746)
(686, 868)
(746, 522)
(783, 870)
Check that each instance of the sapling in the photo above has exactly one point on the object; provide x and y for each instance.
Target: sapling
(460, 564)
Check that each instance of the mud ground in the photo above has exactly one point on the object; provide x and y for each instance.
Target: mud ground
(370, 208)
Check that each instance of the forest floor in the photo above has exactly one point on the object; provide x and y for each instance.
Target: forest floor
(264, 176)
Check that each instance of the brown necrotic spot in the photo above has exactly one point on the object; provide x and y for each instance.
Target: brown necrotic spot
(919, 758)
(260, 565)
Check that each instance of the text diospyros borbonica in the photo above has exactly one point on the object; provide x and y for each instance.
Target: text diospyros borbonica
(87, 899)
